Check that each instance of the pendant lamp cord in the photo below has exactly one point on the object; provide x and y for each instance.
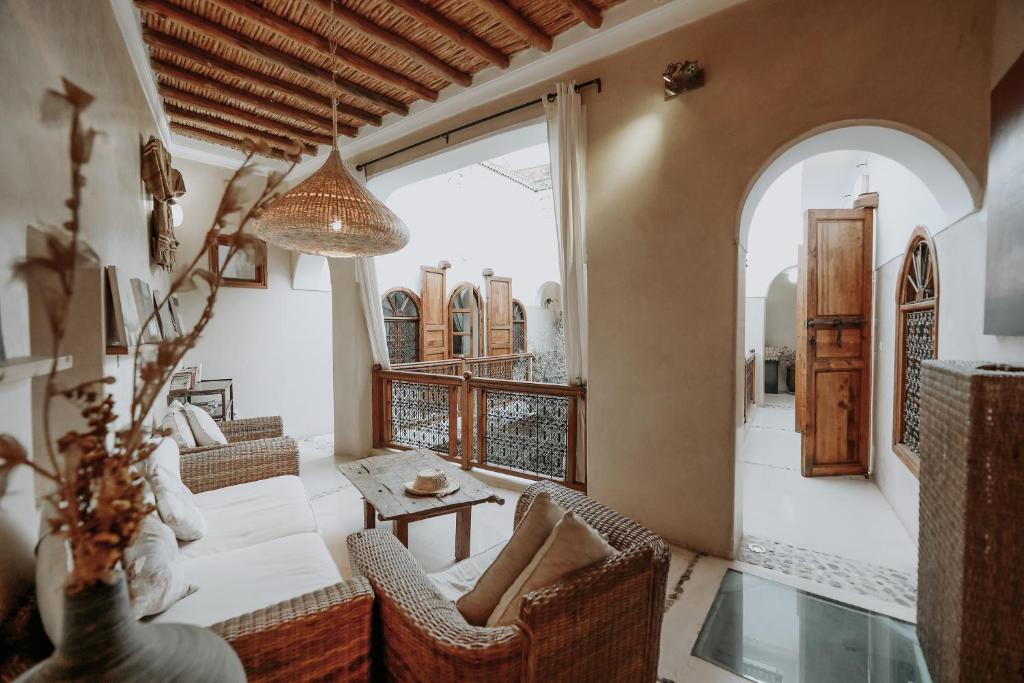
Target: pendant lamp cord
(334, 84)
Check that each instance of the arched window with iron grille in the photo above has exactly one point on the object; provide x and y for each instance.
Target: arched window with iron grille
(519, 341)
(466, 321)
(917, 340)
(402, 324)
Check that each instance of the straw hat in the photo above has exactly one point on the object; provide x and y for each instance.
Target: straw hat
(431, 482)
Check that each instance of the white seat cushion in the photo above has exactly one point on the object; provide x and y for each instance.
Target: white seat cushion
(460, 578)
(248, 514)
(239, 581)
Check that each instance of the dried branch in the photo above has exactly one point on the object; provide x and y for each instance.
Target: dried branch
(99, 489)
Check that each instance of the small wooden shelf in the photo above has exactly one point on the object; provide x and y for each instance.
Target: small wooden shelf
(25, 367)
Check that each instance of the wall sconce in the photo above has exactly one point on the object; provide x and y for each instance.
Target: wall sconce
(682, 77)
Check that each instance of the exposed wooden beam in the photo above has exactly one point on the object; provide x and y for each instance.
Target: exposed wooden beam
(180, 115)
(343, 15)
(171, 71)
(459, 35)
(180, 97)
(518, 23)
(586, 11)
(231, 70)
(282, 27)
(218, 139)
(265, 53)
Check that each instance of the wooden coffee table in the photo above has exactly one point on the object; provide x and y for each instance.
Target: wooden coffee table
(381, 479)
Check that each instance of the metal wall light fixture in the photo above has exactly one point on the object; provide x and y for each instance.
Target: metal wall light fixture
(682, 77)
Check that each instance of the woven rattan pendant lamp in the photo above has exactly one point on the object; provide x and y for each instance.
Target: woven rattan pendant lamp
(330, 213)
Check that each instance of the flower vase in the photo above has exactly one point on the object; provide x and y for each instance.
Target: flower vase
(102, 641)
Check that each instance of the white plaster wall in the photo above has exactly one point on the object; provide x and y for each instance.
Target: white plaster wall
(775, 231)
(275, 342)
(780, 312)
(475, 219)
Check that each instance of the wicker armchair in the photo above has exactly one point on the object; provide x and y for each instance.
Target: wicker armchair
(322, 635)
(248, 429)
(600, 624)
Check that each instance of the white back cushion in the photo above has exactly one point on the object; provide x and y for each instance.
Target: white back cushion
(204, 427)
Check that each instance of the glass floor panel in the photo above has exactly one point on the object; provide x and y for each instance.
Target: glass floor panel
(769, 632)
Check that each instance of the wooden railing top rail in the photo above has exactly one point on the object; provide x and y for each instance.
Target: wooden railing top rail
(451, 362)
(421, 377)
(572, 391)
(507, 356)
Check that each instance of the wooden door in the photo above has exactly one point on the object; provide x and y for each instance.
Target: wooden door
(837, 343)
(499, 316)
(433, 314)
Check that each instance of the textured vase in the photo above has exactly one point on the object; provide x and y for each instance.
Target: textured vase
(103, 642)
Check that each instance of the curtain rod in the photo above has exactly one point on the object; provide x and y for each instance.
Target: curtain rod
(550, 97)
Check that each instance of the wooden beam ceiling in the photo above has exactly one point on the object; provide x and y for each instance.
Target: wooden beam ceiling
(590, 15)
(248, 76)
(267, 69)
(340, 14)
(517, 23)
(449, 29)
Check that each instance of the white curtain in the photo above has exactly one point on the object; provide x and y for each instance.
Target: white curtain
(366, 276)
(567, 139)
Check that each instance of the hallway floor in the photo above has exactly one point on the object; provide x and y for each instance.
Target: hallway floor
(842, 524)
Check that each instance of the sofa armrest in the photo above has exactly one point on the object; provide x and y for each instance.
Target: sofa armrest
(418, 630)
(605, 620)
(219, 466)
(252, 428)
(322, 635)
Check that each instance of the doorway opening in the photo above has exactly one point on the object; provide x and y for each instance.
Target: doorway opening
(823, 233)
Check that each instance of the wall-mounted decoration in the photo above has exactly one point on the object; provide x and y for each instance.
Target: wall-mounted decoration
(163, 316)
(166, 185)
(144, 307)
(115, 327)
(245, 269)
(175, 314)
(682, 77)
(1004, 276)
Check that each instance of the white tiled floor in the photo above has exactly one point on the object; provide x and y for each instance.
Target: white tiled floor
(845, 516)
(338, 509)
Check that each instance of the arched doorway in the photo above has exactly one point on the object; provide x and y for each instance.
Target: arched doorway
(902, 181)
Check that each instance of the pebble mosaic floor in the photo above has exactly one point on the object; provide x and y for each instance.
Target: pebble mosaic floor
(872, 580)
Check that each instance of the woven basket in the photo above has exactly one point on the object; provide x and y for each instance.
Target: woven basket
(970, 608)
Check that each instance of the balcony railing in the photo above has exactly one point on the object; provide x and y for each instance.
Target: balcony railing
(527, 429)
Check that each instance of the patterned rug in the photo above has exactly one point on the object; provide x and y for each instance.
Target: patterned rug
(872, 580)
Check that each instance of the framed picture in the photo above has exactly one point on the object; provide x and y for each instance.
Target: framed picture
(163, 315)
(196, 370)
(116, 331)
(144, 306)
(175, 313)
(244, 270)
(181, 381)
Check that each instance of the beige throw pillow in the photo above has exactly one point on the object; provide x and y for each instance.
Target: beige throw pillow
(571, 546)
(529, 536)
(176, 505)
(204, 427)
(176, 424)
(153, 566)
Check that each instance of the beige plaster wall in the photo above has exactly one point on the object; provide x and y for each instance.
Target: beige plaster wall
(666, 184)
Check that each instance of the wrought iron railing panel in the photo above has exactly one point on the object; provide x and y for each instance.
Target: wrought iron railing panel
(419, 415)
(919, 340)
(512, 368)
(527, 433)
(403, 340)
